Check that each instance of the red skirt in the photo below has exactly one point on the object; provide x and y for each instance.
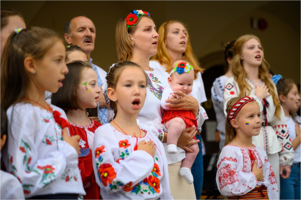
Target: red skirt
(186, 115)
(259, 192)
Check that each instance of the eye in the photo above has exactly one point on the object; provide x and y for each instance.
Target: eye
(250, 116)
(80, 30)
(142, 86)
(58, 60)
(148, 29)
(189, 84)
(92, 30)
(93, 84)
(251, 47)
(128, 85)
(180, 83)
(175, 32)
(259, 115)
(260, 48)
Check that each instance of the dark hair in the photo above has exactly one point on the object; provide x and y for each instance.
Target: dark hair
(67, 27)
(271, 72)
(228, 53)
(284, 85)
(6, 13)
(66, 97)
(114, 74)
(33, 42)
(71, 48)
(3, 122)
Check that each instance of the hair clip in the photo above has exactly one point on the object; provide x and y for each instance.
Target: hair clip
(68, 46)
(134, 15)
(18, 30)
(181, 68)
(276, 78)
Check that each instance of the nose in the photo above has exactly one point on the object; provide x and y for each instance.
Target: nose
(136, 90)
(98, 89)
(156, 35)
(183, 35)
(65, 69)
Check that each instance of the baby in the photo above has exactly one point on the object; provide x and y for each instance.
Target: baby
(176, 121)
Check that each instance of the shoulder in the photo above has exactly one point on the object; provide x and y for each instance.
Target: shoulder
(156, 65)
(230, 150)
(261, 151)
(104, 130)
(99, 69)
(21, 110)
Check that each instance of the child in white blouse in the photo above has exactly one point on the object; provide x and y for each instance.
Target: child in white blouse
(129, 160)
(244, 170)
(40, 153)
(176, 121)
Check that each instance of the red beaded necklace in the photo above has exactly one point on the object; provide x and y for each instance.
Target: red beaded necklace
(124, 131)
(49, 108)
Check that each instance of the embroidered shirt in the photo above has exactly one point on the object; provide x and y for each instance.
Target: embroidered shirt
(37, 154)
(11, 187)
(273, 138)
(234, 175)
(126, 173)
(292, 134)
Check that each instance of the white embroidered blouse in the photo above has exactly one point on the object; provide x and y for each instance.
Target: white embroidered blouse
(234, 175)
(123, 172)
(273, 138)
(37, 154)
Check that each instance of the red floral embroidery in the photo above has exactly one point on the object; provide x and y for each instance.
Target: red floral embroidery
(228, 159)
(131, 19)
(48, 141)
(26, 191)
(227, 176)
(22, 149)
(59, 120)
(145, 180)
(156, 169)
(75, 178)
(67, 178)
(46, 120)
(124, 143)
(128, 187)
(107, 173)
(48, 169)
(29, 160)
(272, 177)
(232, 92)
(154, 183)
(99, 151)
(246, 167)
(11, 160)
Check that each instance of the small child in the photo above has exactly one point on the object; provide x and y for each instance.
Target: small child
(40, 153)
(290, 102)
(128, 158)
(11, 188)
(176, 121)
(80, 92)
(244, 171)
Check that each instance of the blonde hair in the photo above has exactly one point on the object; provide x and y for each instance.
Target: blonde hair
(122, 38)
(163, 56)
(240, 73)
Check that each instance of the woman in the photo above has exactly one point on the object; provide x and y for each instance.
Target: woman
(174, 44)
(137, 40)
(250, 79)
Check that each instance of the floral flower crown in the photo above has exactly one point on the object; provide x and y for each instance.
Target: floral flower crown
(134, 15)
(181, 68)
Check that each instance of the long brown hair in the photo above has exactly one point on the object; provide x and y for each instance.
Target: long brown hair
(240, 73)
(163, 56)
(33, 42)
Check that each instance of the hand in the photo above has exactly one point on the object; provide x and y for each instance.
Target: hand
(186, 139)
(73, 141)
(148, 147)
(217, 138)
(101, 99)
(258, 172)
(286, 169)
(262, 91)
(184, 103)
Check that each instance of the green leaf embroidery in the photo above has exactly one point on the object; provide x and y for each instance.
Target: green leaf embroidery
(113, 187)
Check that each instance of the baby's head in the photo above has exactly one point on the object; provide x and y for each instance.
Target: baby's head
(181, 77)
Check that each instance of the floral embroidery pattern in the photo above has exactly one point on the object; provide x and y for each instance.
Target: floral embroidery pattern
(228, 159)
(156, 171)
(157, 92)
(46, 119)
(98, 151)
(272, 177)
(26, 188)
(68, 177)
(128, 187)
(48, 174)
(12, 168)
(106, 173)
(154, 183)
(124, 143)
(161, 135)
(48, 140)
(227, 176)
(25, 148)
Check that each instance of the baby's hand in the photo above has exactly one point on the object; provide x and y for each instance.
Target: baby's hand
(257, 171)
(148, 147)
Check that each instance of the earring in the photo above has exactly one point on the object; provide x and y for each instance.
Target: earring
(34, 72)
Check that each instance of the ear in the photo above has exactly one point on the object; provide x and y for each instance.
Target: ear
(2, 141)
(68, 38)
(229, 61)
(241, 57)
(282, 98)
(111, 94)
(169, 80)
(29, 64)
(234, 123)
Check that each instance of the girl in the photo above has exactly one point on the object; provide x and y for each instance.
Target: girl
(40, 152)
(244, 171)
(250, 78)
(128, 159)
(80, 92)
(136, 40)
(176, 121)
(289, 99)
(74, 53)
(174, 44)
(217, 96)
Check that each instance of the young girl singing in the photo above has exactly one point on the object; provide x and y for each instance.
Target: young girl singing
(129, 160)
(80, 92)
(40, 152)
(244, 171)
(176, 121)
(290, 102)
(250, 79)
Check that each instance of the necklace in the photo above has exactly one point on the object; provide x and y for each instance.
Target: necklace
(89, 122)
(48, 109)
(253, 82)
(124, 131)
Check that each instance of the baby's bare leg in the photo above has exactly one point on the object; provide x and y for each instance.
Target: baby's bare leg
(187, 163)
(175, 127)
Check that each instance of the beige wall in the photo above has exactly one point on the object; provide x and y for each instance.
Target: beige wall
(210, 24)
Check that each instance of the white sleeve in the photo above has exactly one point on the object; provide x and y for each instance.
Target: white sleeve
(202, 93)
(229, 180)
(112, 175)
(165, 95)
(11, 188)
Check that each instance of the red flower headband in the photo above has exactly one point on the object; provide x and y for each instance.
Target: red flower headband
(132, 18)
(237, 106)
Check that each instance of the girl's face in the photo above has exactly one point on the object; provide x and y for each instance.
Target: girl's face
(13, 23)
(292, 100)
(76, 55)
(88, 92)
(176, 38)
(51, 69)
(181, 82)
(145, 37)
(252, 53)
(248, 118)
(130, 91)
